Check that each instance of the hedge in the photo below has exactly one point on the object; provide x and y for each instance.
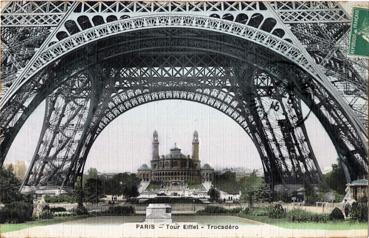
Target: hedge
(218, 210)
(336, 214)
(299, 215)
(359, 211)
(58, 209)
(120, 210)
(46, 214)
(257, 211)
(173, 200)
(64, 198)
(16, 212)
(277, 211)
(63, 214)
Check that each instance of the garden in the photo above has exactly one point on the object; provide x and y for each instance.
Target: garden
(356, 217)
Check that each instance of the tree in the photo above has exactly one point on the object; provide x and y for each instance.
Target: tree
(78, 191)
(91, 173)
(310, 195)
(9, 187)
(227, 182)
(214, 194)
(130, 191)
(93, 190)
(123, 184)
(18, 207)
(336, 179)
(251, 188)
(16, 212)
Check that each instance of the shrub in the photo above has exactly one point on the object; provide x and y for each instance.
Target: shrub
(347, 209)
(46, 214)
(64, 198)
(16, 212)
(133, 200)
(319, 217)
(363, 199)
(234, 210)
(282, 196)
(311, 197)
(336, 214)
(359, 211)
(121, 210)
(169, 200)
(277, 212)
(214, 194)
(81, 210)
(246, 210)
(212, 210)
(299, 215)
(260, 211)
(338, 197)
(58, 209)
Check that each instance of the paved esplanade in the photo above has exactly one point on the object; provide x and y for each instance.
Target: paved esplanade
(113, 227)
(254, 61)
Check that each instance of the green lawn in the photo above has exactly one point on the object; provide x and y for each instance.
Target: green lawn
(330, 225)
(195, 186)
(284, 223)
(153, 186)
(227, 186)
(15, 227)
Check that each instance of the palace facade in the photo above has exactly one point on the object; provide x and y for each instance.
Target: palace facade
(175, 166)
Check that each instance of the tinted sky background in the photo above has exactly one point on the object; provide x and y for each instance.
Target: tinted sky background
(126, 143)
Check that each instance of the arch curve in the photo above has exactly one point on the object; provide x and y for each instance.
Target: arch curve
(255, 35)
(103, 30)
(220, 100)
(166, 23)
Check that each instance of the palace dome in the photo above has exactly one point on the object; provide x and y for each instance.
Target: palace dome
(144, 167)
(206, 166)
(175, 153)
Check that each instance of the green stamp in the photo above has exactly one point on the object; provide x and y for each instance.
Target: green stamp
(359, 39)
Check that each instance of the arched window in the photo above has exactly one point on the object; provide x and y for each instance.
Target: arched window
(242, 18)
(61, 35)
(71, 27)
(214, 16)
(84, 22)
(278, 32)
(98, 20)
(268, 24)
(111, 18)
(255, 20)
(124, 17)
(228, 17)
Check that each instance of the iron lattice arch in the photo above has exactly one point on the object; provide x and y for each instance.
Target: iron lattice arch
(256, 62)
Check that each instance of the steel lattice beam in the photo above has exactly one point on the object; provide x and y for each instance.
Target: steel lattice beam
(257, 62)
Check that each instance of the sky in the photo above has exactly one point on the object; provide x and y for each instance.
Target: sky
(125, 144)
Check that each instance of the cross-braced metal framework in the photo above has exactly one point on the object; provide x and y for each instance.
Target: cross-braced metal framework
(257, 62)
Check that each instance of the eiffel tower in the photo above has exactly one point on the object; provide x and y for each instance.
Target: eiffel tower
(257, 62)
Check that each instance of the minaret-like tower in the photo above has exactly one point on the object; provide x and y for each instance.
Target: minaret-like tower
(155, 145)
(195, 146)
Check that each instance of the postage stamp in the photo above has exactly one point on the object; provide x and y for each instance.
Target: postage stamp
(359, 39)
